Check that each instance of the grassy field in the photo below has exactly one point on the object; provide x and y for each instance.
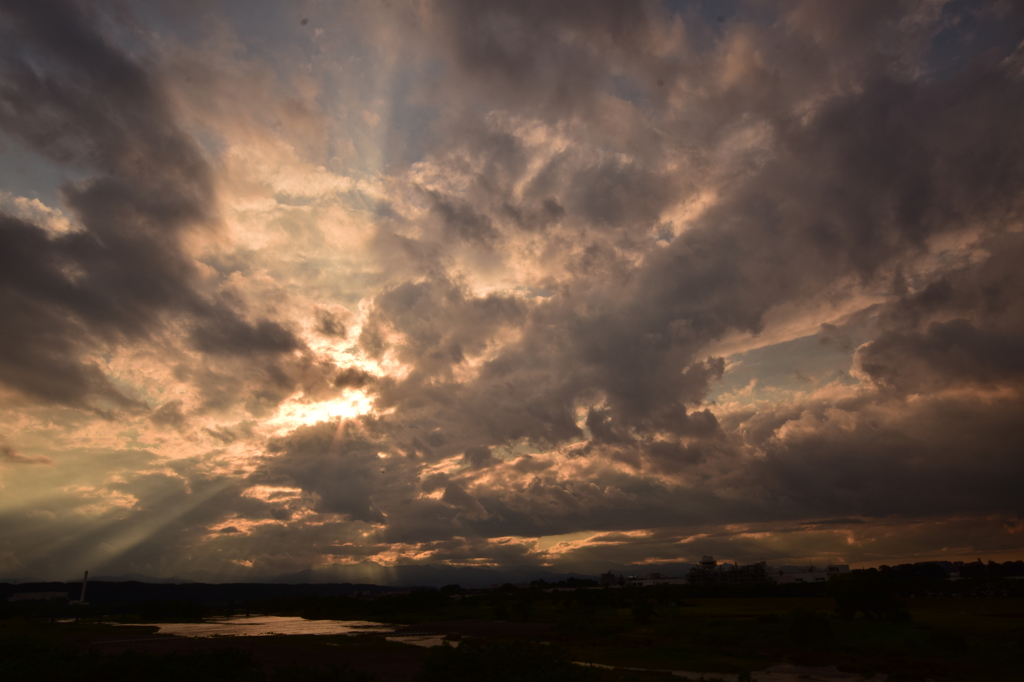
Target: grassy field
(941, 638)
(930, 638)
(945, 639)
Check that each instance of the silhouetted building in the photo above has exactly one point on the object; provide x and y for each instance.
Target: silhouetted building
(654, 579)
(808, 574)
(710, 573)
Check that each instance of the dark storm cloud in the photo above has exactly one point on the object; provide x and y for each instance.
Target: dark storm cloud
(440, 321)
(600, 499)
(236, 337)
(618, 195)
(478, 457)
(531, 464)
(954, 446)
(70, 95)
(460, 222)
(330, 325)
(169, 414)
(940, 436)
(344, 471)
(529, 389)
(945, 352)
(12, 456)
(44, 334)
(351, 377)
(854, 188)
(517, 50)
(945, 456)
(964, 328)
(604, 192)
(456, 495)
(855, 164)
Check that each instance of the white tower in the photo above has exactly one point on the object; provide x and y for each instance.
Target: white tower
(81, 598)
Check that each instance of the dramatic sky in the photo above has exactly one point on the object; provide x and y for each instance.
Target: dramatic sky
(571, 285)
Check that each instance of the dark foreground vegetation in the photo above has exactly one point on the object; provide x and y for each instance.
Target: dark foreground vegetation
(908, 624)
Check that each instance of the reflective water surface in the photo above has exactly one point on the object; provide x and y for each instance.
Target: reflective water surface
(422, 640)
(256, 626)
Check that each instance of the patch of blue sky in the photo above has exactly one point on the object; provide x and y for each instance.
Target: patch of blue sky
(628, 89)
(24, 173)
(708, 20)
(535, 292)
(798, 365)
(970, 31)
(711, 12)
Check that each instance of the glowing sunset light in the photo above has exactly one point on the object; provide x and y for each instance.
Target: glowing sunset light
(297, 412)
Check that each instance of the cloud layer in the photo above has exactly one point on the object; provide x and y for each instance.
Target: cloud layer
(351, 287)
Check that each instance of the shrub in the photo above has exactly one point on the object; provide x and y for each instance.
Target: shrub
(476, 660)
(809, 627)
